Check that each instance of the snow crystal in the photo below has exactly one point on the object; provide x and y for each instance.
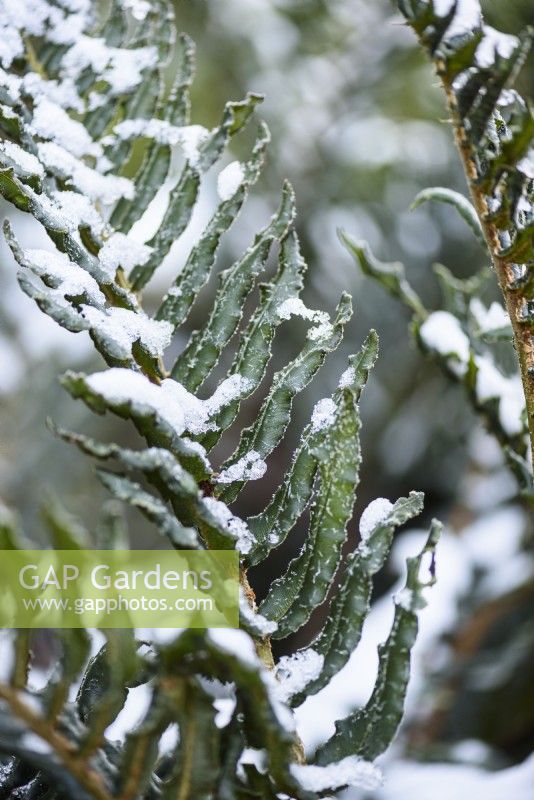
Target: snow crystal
(175, 406)
(405, 599)
(324, 415)
(122, 69)
(489, 319)
(410, 780)
(295, 672)
(50, 121)
(188, 137)
(237, 643)
(255, 756)
(495, 42)
(526, 165)
(10, 83)
(320, 331)
(27, 163)
(79, 211)
(492, 384)
(283, 713)
(30, 741)
(442, 333)
(68, 279)
(106, 188)
(61, 92)
(121, 328)
(260, 623)
(468, 15)
(235, 525)
(347, 378)
(200, 451)
(250, 467)
(351, 771)
(118, 385)
(294, 307)
(225, 707)
(375, 513)
(122, 251)
(11, 45)
(229, 180)
(230, 389)
(138, 8)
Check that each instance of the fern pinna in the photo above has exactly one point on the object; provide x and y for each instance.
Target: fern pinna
(493, 127)
(96, 138)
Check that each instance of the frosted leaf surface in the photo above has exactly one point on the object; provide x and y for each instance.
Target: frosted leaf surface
(37, 17)
(375, 513)
(495, 42)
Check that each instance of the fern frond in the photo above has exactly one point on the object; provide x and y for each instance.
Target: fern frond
(99, 149)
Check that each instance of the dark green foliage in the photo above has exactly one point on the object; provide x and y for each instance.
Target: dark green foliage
(130, 143)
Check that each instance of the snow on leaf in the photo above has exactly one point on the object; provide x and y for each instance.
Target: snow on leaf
(226, 519)
(324, 414)
(121, 327)
(350, 771)
(122, 251)
(51, 122)
(229, 180)
(442, 333)
(106, 188)
(25, 164)
(375, 513)
(295, 672)
(250, 467)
